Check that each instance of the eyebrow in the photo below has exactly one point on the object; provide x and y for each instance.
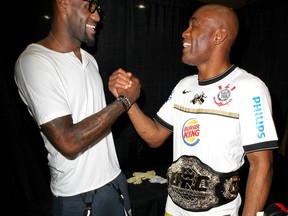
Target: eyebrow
(192, 19)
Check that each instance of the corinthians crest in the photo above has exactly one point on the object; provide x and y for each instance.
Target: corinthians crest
(223, 97)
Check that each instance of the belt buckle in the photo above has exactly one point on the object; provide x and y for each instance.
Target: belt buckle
(231, 187)
(191, 184)
(194, 186)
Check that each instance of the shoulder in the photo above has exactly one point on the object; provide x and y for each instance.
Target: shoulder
(186, 83)
(34, 53)
(248, 79)
(249, 86)
(188, 80)
(33, 61)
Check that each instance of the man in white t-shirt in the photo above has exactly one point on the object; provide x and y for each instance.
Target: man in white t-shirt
(216, 117)
(62, 88)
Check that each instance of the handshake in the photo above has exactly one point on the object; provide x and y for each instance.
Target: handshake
(124, 85)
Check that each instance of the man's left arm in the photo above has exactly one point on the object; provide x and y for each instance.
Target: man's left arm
(258, 182)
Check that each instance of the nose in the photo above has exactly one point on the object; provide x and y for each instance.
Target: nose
(185, 33)
(96, 16)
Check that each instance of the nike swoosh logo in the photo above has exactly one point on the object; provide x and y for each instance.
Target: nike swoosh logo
(185, 91)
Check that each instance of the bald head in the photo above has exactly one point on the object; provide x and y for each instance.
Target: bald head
(208, 40)
(223, 17)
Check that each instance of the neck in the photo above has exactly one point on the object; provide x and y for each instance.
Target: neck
(211, 73)
(60, 47)
(57, 46)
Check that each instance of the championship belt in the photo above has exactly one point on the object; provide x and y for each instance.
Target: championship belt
(194, 186)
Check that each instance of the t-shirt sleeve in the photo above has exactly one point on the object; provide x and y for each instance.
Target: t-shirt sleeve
(164, 116)
(256, 120)
(39, 89)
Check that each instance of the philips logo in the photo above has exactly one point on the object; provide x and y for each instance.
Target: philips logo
(259, 117)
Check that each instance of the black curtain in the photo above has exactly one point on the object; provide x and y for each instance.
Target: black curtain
(143, 37)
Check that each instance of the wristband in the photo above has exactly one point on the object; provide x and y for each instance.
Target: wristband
(127, 100)
(122, 103)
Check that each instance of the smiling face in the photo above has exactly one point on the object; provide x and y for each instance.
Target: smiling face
(198, 38)
(212, 31)
(82, 23)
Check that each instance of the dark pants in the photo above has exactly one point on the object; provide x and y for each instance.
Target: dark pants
(105, 201)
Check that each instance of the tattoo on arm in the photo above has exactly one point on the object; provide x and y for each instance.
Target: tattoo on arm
(71, 139)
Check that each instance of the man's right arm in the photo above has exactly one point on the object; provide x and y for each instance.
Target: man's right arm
(73, 138)
(153, 134)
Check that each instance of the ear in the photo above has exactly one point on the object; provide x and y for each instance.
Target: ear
(62, 5)
(220, 36)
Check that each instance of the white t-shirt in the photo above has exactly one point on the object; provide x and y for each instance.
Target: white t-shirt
(218, 121)
(52, 85)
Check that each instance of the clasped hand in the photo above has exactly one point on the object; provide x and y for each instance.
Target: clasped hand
(124, 83)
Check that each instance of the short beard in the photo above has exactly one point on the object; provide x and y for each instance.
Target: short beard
(89, 42)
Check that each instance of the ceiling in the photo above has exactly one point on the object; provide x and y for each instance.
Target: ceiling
(231, 3)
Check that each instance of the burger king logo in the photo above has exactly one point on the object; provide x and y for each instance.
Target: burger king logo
(190, 132)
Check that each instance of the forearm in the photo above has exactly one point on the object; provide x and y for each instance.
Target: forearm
(95, 126)
(147, 128)
(119, 82)
(71, 139)
(257, 188)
